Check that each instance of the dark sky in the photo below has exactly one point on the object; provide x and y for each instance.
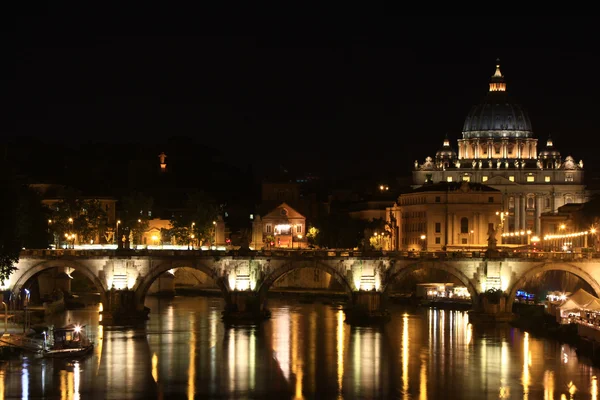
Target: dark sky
(358, 100)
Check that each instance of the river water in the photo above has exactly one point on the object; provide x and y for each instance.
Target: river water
(304, 351)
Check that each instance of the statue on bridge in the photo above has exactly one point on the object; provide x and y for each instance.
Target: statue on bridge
(492, 250)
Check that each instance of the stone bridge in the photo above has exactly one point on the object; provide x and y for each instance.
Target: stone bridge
(123, 278)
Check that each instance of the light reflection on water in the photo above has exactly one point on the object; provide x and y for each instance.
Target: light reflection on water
(304, 351)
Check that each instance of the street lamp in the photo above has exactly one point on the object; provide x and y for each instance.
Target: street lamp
(423, 243)
(215, 234)
(471, 238)
(118, 223)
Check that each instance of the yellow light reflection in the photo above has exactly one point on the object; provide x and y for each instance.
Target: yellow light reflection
(469, 333)
(504, 364)
(594, 388)
(423, 377)
(340, 350)
(69, 383)
(548, 385)
(572, 389)
(155, 367)
(192, 360)
(2, 389)
(98, 345)
(405, 355)
(297, 367)
(526, 378)
(313, 342)
(282, 344)
(63, 385)
(252, 360)
(231, 362)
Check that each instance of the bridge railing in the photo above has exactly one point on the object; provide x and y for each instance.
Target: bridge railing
(310, 253)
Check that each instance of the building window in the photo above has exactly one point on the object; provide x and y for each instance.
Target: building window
(547, 200)
(568, 177)
(298, 228)
(438, 240)
(568, 199)
(438, 199)
(438, 227)
(511, 203)
(531, 178)
(269, 228)
(463, 241)
(546, 179)
(490, 199)
(466, 178)
(511, 178)
(530, 202)
(449, 179)
(464, 225)
(484, 178)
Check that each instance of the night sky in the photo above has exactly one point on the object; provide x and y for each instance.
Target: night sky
(362, 104)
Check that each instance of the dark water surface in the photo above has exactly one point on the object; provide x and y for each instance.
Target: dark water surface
(304, 351)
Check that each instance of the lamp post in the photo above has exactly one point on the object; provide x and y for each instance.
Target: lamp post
(299, 241)
(117, 238)
(471, 238)
(215, 233)
(561, 241)
(423, 243)
(593, 238)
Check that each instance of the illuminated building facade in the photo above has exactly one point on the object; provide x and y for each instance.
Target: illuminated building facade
(498, 148)
(444, 215)
(282, 227)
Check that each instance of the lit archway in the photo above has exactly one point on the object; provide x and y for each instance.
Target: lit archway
(46, 265)
(273, 276)
(400, 273)
(142, 287)
(580, 273)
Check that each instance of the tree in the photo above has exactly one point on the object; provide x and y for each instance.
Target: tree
(23, 221)
(136, 208)
(311, 235)
(10, 241)
(198, 219)
(73, 215)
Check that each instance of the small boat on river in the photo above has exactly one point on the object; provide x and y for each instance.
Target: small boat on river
(68, 342)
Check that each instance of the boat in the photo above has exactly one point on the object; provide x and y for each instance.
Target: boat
(68, 342)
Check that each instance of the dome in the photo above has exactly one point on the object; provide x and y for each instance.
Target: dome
(549, 151)
(446, 152)
(497, 115)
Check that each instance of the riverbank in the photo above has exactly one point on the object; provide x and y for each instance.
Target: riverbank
(533, 319)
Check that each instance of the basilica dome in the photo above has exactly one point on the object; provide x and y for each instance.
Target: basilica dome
(497, 115)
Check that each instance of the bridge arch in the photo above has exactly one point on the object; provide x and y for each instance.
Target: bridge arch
(399, 272)
(141, 288)
(544, 267)
(45, 265)
(280, 271)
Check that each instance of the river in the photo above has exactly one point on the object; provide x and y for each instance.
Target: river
(303, 351)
